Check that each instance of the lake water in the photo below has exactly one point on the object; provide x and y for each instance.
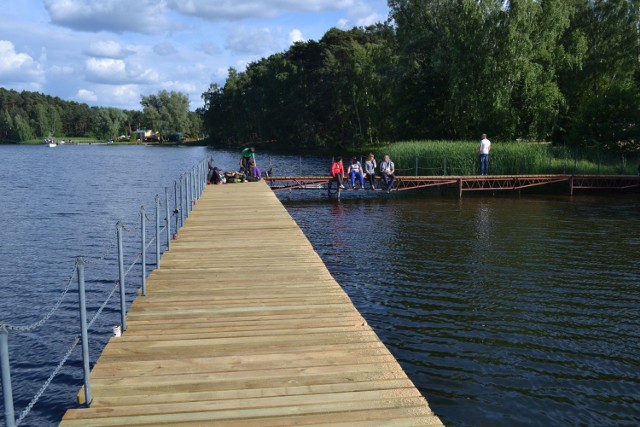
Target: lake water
(504, 311)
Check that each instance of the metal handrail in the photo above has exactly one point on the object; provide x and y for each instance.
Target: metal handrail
(196, 182)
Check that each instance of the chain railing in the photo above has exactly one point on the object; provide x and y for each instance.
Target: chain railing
(192, 184)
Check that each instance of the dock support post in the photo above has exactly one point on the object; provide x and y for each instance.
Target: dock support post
(83, 332)
(460, 188)
(143, 249)
(157, 231)
(123, 302)
(168, 218)
(176, 212)
(416, 166)
(571, 185)
(7, 393)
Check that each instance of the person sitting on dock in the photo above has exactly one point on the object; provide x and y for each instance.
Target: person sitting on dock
(256, 174)
(355, 170)
(337, 171)
(370, 167)
(388, 172)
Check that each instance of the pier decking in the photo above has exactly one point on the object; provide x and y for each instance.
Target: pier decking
(244, 326)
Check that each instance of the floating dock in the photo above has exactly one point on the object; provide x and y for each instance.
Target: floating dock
(244, 326)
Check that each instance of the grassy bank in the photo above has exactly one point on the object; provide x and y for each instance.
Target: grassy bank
(461, 158)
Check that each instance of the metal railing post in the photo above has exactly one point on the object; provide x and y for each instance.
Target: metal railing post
(181, 201)
(83, 332)
(123, 303)
(444, 168)
(416, 166)
(157, 231)
(7, 393)
(143, 238)
(166, 203)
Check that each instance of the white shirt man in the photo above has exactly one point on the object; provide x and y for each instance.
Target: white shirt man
(485, 147)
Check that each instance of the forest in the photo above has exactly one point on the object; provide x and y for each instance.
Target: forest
(563, 71)
(31, 116)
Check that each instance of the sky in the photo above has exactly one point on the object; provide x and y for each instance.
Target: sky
(111, 52)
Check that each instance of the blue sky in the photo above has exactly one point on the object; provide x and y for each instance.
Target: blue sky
(110, 52)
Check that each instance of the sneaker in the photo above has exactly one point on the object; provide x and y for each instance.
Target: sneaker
(342, 186)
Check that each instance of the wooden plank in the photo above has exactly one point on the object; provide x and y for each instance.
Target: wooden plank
(244, 326)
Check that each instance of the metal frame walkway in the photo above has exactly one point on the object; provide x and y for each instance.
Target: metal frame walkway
(473, 183)
(244, 326)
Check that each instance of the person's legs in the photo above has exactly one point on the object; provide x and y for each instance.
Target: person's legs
(338, 178)
(384, 178)
(372, 180)
(392, 178)
(352, 175)
(484, 164)
(361, 179)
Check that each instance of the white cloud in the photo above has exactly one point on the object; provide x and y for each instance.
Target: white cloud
(165, 49)
(210, 48)
(343, 24)
(363, 14)
(18, 67)
(295, 36)
(117, 16)
(177, 86)
(61, 70)
(108, 49)
(256, 41)
(117, 71)
(85, 95)
(225, 10)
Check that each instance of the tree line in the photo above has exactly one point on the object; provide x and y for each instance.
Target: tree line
(27, 116)
(565, 71)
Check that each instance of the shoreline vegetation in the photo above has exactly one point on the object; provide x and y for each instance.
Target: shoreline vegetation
(437, 158)
(429, 158)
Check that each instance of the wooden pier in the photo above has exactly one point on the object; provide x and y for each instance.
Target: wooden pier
(244, 326)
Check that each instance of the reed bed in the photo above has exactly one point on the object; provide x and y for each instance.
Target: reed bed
(438, 158)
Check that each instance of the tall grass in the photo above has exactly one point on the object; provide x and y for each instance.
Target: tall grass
(507, 158)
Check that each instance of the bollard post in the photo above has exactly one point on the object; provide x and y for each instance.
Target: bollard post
(143, 238)
(166, 204)
(123, 302)
(7, 393)
(157, 231)
(83, 332)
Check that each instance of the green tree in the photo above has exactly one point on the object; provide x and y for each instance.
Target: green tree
(108, 122)
(166, 112)
(23, 128)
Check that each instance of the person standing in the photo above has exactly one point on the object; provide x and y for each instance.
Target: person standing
(388, 172)
(370, 167)
(485, 147)
(247, 155)
(337, 171)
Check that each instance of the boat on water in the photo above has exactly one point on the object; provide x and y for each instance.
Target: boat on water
(51, 141)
